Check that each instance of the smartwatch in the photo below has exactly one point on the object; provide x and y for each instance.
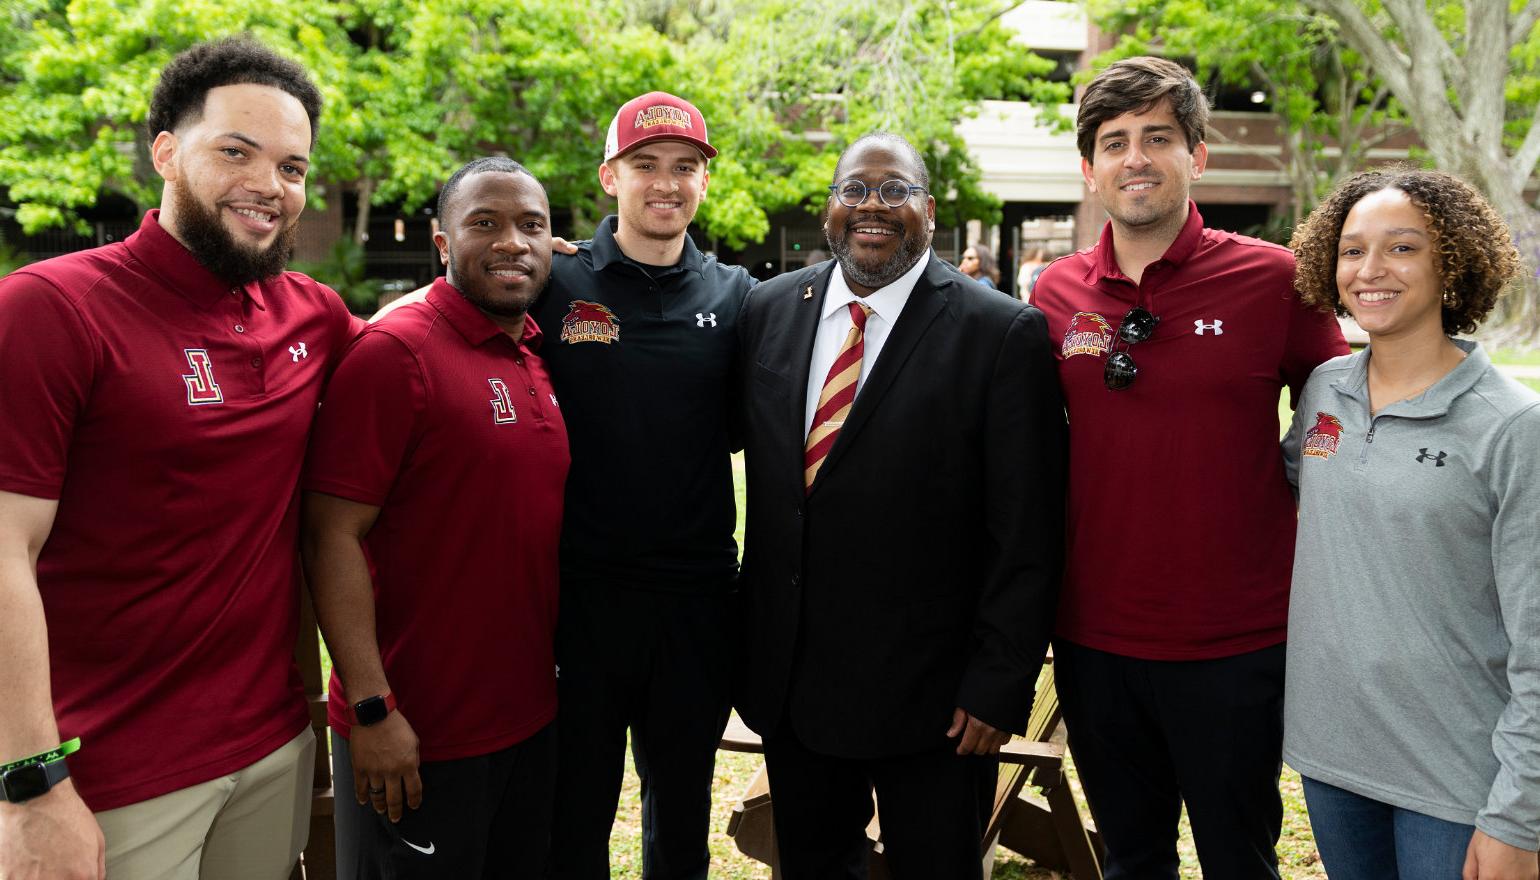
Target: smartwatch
(372, 710)
(36, 779)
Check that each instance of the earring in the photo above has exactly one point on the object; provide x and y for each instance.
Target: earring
(1451, 301)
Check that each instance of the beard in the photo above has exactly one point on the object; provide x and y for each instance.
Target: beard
(878, 274)
(212, 245)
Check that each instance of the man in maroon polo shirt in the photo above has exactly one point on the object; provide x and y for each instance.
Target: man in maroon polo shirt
(158, 396)
(1174, 344)
(440, 459)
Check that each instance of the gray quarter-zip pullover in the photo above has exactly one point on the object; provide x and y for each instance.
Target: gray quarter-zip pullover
(1414, 621)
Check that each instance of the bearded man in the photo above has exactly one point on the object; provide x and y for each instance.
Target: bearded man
(906, 442)
(158, 396)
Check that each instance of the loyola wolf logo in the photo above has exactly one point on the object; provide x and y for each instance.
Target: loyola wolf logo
(589, 322)
(1322, 438)
(1087, 333)
(202, 390)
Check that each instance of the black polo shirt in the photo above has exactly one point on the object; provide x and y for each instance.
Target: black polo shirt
(641, 358)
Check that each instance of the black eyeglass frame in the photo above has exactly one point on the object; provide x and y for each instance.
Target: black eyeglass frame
(837, 191)
(1120, 370)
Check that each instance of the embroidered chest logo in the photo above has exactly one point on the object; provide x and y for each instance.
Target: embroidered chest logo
(502, 403)
(201, 387)
(1216, 327)
(1424, 456)
(297, 352)
(589, 322)
(1322, 438)
(1087, 333)
(703, 319)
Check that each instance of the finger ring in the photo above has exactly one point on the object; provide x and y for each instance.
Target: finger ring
(376, 791)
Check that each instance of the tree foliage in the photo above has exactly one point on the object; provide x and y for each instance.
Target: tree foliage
(1467, 73)
(414, 88)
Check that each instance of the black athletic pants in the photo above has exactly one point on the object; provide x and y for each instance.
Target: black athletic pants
(933, 805)
(1148, 735)
(485, 817)
(657, 663)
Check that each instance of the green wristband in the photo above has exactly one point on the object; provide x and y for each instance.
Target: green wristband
(48, 757)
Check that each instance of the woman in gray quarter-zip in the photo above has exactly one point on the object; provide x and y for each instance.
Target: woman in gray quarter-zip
(1412, 699)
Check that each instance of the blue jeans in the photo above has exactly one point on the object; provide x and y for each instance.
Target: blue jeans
(1364, 839)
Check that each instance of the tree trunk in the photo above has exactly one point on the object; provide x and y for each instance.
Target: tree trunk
(361, 222)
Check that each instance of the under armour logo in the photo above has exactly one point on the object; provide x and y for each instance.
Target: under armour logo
(702, 319)
(299, 352)
(1217, 326)
(1438, 460)
(553, 401)
(502, 405)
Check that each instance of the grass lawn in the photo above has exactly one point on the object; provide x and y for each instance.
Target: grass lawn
(1527, 356)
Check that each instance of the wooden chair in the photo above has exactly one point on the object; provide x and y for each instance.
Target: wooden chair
(1055, 839)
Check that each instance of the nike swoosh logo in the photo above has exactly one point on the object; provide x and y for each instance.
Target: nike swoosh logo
(425, 850)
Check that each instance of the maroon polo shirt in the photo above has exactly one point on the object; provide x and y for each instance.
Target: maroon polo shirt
(1181, 523)
(168, 414)
(450, 427)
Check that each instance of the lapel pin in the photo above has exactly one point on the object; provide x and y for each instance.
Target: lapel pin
(808, 293)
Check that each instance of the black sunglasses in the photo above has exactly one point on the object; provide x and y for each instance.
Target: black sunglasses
(1120, 370)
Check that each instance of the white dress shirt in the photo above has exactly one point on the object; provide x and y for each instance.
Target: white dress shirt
(834, 325)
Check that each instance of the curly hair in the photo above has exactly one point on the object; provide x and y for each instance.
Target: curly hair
(186, 80)
(1138, 85)
(1472, 250)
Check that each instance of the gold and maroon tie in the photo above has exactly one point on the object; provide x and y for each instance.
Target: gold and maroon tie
(839, 392)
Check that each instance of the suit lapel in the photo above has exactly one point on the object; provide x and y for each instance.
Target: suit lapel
(924, 304)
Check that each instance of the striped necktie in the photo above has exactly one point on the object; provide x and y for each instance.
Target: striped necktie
(839, 392)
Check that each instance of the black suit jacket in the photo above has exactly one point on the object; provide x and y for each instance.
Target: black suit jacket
(921, 571)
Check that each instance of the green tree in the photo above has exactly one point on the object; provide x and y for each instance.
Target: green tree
(415, 87)
(76, 87)
(1324, 94)
(796, 81)
(1468, 75)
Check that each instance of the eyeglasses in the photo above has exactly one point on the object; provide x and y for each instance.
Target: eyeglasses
(894, 193)
(1120, 370)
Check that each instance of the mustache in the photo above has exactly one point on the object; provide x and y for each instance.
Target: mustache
(873, 220)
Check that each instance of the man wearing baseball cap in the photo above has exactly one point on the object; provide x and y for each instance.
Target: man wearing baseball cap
(641, 339)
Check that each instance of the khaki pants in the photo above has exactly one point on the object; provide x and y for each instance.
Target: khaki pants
(249, 825)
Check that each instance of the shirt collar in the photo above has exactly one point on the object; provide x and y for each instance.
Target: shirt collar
(886, 302)
(1433, 402)
(471, 322)
(178, 269)
(606, 250)
(1105, 264)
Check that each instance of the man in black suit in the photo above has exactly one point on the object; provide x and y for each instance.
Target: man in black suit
(906, 458)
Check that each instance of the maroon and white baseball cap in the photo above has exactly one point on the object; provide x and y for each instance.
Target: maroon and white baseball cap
(656, 116)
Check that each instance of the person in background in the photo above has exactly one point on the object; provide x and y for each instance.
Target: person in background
(1032, 263)
(1412, 702)
(978, 263)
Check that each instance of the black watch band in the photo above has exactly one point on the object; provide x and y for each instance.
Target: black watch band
(20, 784)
